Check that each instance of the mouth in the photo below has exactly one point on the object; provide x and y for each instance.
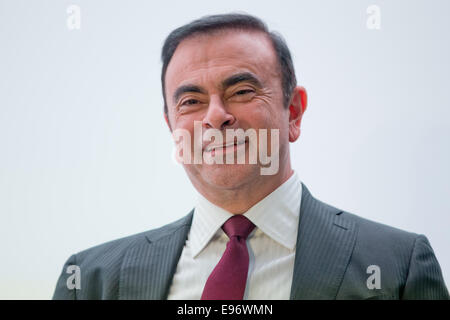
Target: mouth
(225, 147)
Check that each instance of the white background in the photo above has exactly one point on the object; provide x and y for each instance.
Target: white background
(85, 155)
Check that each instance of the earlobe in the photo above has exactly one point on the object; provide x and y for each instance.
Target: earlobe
(294, 133)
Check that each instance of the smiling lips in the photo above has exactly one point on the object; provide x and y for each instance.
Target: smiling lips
(222, 147)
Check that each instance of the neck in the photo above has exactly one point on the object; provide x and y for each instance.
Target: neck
(240, 200)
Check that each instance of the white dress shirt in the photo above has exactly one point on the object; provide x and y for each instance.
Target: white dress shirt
(271, 246)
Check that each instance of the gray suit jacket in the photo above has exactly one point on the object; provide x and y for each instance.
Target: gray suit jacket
(334, 250)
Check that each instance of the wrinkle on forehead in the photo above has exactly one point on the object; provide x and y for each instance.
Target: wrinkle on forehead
(218, 55)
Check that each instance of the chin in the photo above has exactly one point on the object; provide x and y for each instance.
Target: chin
(229, 176)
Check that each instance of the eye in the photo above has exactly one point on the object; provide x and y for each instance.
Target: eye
(189, 102)
(242, 95)
(242, 92)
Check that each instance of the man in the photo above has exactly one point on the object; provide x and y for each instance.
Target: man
(251, 235)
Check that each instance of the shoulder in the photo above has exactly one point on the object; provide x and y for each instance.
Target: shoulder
(100, 266)
(405, 261)
(373, 242)
(370, 231)
(381, 233)
(116, 248)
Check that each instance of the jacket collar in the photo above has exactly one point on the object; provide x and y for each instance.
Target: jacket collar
(325, 242)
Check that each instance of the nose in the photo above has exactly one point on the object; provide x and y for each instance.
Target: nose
(217, 116)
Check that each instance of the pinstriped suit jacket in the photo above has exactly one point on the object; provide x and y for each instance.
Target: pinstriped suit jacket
(334, 249)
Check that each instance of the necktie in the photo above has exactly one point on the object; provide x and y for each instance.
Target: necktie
(227, 280)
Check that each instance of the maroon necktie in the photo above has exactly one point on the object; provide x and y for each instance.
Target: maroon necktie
(227, 280)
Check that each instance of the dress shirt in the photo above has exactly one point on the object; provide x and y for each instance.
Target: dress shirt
(271, 245)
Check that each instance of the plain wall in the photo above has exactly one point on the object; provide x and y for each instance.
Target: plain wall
(86, 157)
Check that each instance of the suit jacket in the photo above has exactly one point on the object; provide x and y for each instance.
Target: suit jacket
(333, 253)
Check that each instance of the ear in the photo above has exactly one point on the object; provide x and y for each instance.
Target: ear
(167, 121)
(296, 110)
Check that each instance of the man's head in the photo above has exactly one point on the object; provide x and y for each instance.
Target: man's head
(242, 22)
(229, 72)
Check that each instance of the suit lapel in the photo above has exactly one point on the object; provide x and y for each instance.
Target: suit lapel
(149, 265)
(325, 242)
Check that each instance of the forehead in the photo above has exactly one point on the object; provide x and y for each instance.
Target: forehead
(217, 55)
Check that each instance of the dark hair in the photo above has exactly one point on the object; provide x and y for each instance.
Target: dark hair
(237, 21)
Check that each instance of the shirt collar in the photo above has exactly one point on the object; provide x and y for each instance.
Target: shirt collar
(276, 216)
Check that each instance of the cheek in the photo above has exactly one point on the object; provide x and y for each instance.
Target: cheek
(272, 120)
(184, 129)
(263, 118)
(252, 115)
(185, 121)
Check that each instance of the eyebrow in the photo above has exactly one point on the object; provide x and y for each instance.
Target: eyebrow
(228, 82)
(241, 77)
(186, 88)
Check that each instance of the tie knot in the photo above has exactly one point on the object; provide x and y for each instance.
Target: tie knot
(238, 225)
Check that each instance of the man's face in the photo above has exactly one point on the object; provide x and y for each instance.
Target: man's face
(201, 85)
